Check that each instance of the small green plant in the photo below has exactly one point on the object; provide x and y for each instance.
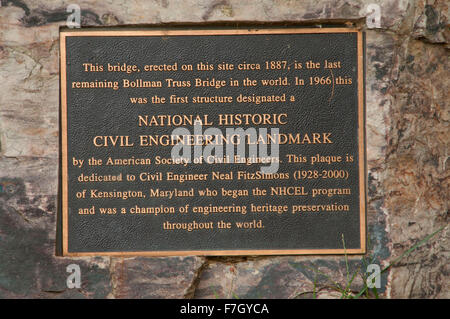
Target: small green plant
(345, 291)
(366, 291)
(216, 295)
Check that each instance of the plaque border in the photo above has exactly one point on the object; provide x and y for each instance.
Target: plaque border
(189, 32)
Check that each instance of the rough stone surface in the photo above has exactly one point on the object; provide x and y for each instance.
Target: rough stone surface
(407, 123)
(417, 174)
(281, 277)
(171, 277)
(431, 21)
(28, 266)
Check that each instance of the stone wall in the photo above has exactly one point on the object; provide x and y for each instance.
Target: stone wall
(407, 92)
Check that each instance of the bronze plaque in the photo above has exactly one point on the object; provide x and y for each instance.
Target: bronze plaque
(212, 142)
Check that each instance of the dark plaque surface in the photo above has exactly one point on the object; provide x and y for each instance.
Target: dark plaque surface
(275, 163)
